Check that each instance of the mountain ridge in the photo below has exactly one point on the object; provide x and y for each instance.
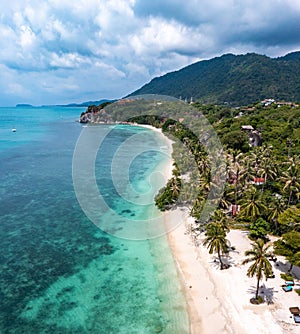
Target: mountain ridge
(233, 79)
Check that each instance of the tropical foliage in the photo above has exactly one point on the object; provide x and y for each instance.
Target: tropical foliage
(289, 246)
(168, 195)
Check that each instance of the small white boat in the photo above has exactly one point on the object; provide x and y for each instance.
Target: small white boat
(13, 130)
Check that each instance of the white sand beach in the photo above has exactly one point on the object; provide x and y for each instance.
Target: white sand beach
(219, 300)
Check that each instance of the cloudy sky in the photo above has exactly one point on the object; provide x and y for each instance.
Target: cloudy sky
(61, 51)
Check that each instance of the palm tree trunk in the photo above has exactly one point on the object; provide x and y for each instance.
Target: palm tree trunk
(290, 198)
(257, 288)
(263, 186)
(236, 188)
(221, 262)
(276, 225)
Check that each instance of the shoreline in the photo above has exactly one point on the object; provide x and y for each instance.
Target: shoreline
(185, 257)
(168, 149)
(218, 301)
(202, 303)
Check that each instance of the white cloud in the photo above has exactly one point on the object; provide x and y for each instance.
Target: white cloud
(110, 71)
(137, 71)
(18, 19)
(12, 86)
(27, 37)
(16, 88)
(67, 60)
(112, 47)
(115, 20)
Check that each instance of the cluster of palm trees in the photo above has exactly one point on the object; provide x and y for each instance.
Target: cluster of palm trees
(216, 242)
(258, 182)
(277, 189)
(273, 199)
(261, 184)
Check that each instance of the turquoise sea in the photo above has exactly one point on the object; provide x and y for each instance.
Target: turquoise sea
(60, 273)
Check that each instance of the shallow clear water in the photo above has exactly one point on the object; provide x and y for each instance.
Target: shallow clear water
(59, 272)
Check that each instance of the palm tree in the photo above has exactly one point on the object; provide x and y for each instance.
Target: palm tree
(236, 171)
(198, 206)
(175, 186)
(203, 163)
(204, 184)
(216, 241)
(261, 265)
(267, 170)
(252, 205)
(220, 218)
(276, 207)
(291, 179)
(255, 158)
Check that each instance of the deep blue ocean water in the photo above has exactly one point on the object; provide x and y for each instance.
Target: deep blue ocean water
(59, 272)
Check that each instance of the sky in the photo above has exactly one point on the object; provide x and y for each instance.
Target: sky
(63, 51)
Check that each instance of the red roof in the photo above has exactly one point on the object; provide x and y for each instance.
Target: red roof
(259, 180)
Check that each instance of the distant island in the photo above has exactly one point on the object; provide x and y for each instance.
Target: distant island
(74, 105)
(84, 104)
(24, 105)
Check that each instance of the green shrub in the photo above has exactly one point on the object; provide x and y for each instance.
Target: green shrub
(257, 301)
(259, 229)
(287, 277)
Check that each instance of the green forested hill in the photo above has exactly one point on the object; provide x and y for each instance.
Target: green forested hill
(234, 79)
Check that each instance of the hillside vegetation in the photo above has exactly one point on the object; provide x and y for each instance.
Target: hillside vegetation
(232, 79)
